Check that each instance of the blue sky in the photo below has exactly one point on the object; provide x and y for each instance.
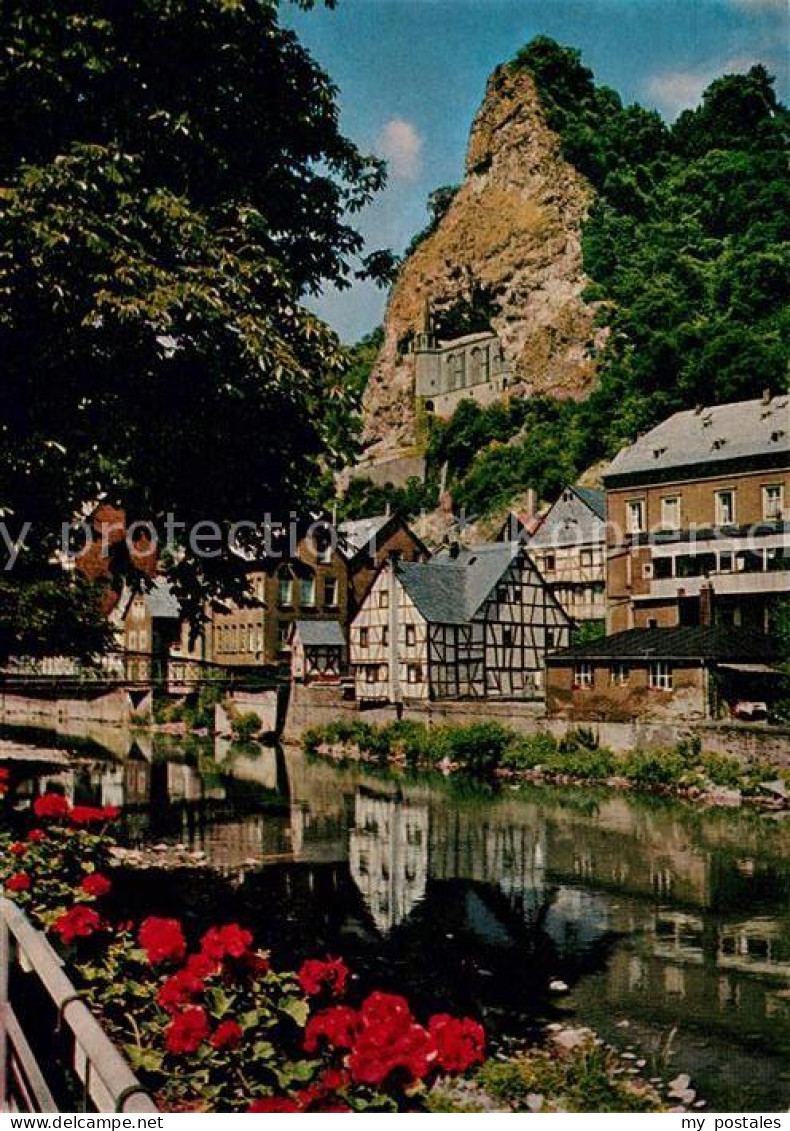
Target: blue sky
(412, 73)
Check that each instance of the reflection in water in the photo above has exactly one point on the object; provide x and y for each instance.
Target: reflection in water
(388, 854)
(672, 919)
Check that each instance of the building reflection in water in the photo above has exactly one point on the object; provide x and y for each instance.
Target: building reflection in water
(388, 856)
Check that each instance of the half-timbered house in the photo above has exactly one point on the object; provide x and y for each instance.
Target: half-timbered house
(473, 623)
(569, 549)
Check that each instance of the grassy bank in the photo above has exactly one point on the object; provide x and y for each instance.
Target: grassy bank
(492, 749)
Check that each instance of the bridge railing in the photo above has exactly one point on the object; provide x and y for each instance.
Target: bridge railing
(98, 1072)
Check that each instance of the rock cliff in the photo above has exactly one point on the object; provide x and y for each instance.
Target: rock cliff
(513, 231)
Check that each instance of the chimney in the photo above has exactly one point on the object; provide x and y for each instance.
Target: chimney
(706, 604)
(766, 396)
(531, 502)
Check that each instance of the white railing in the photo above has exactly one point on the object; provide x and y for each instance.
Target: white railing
(103, 1078)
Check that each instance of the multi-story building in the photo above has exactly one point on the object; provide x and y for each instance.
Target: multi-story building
(698, 513)
(472, 623)
(366, 543)
(307, 581)
(323, 576)
(569, 549)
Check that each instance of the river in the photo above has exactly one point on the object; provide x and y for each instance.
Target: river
(668, 923)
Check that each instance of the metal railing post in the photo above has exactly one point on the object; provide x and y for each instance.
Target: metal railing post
(5, 961)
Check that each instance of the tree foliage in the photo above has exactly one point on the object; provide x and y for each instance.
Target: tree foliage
(173, 182)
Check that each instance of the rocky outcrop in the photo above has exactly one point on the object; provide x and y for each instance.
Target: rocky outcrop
(513, 229)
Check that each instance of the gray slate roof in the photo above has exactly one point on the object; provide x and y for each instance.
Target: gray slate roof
(692, 642)
(711, 435)
(320, 632)
(160, 600)
(578, 516)
(449, 590)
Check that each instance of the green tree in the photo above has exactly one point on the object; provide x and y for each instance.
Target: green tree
(173, 183)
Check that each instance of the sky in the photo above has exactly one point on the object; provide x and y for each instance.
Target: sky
(412, 73)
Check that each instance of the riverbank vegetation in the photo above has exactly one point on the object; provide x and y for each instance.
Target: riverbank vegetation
(209, 1022)
(490, 748)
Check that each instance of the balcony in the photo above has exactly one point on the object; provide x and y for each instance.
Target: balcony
(724, 584)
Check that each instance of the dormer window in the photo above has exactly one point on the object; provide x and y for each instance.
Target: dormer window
(658, 452)
(778, 435)
(718, 443)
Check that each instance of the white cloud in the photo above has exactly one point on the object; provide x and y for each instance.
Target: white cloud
(673, 91)
(401, 144)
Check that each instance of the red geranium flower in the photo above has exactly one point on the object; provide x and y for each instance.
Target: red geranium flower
(35, 836)
(20, 881)
(162, 940)
(179, 990)
(219, 942)
(96, 884)
(227, 1035)
(334, 1079)
(390, 1043)
(86, 815)
(17, 849)
(378, 1055)
(337, 1026)
(317, 974)
(188, 1031)
(51, 805)
(274, 1104)
(111, 813)
(460, 1042)
(78, 923)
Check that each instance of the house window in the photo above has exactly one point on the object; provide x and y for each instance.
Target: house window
(725, 508)
(660, 676)
(371, 673)
(550, 562)
(670, 512)
(330, 591)
(635, 516)
(583, 674)
(133, 641)
(773, 502)
(414, 673)
(384, 598)
(620, 674)
(586, 557)
(549, 637)
(725, 562)
(507, 637)
(283, 632)
(307, 591)
(385, 636)
(285, 589)
(411, 635)
(259, 588)
(501, 594)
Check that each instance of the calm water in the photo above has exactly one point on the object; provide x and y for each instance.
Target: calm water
(669, 924)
